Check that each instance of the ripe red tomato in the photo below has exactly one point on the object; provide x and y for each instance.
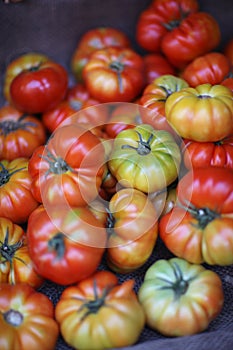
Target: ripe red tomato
(154, 98)
(155, 66)
(16, 199)
(65, 245)
(39, 88)
(180, 298)
(95, 39)
(18, 65)
(181, 48)
(69, 168)
(114, 74)
(20, 134)
(203, 113)
(160, 17)
(200, 227)
(211, 68)
(16, 265)
(26, 319)
(202, 154)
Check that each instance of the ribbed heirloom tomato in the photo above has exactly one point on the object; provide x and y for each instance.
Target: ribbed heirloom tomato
(68, 169)
(132, 226)
(65, 244)
(200, 226)
(180, 298)
(20, 134)
(15, 263)
(95, 39)
(100, 313)
(26, 319)
(203, 113)
(114, 74)
(200, 154)
(16, 199)
(211, 68)
(154, 98)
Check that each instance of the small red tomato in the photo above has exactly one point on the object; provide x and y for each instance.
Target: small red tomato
(39, 88)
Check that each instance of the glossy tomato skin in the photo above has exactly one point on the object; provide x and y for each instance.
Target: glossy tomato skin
(95, 39)
(156, 65)
(68, 170)
(153, 100)
(16, 199)
(211, 68)
(200, 227)
(20, 134)
(144, 158)
(204, 113)
(63, 243)
(18, 65)
(132, 225)
(26, 319)
(114, 74)
(158, 19)
(202, 154)
(40, 88)
(93, 308)
(15, 263)
(181, 48)
(180, 298)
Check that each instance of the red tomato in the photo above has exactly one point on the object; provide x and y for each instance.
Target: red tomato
(16, 199)
(114, 74)
(66, 246)
(200, 227)
(26, 319)
(155, 66)
(210, 68)
(154, 98)
(181, 48)
(39, 88)
(69, 168)
(202, 154)
(95, 39)
(15, 263)
(20, 134)
(100, 313)
(160, 17)
(18, 65)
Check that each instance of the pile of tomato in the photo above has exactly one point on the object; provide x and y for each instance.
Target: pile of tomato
(138, 150)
